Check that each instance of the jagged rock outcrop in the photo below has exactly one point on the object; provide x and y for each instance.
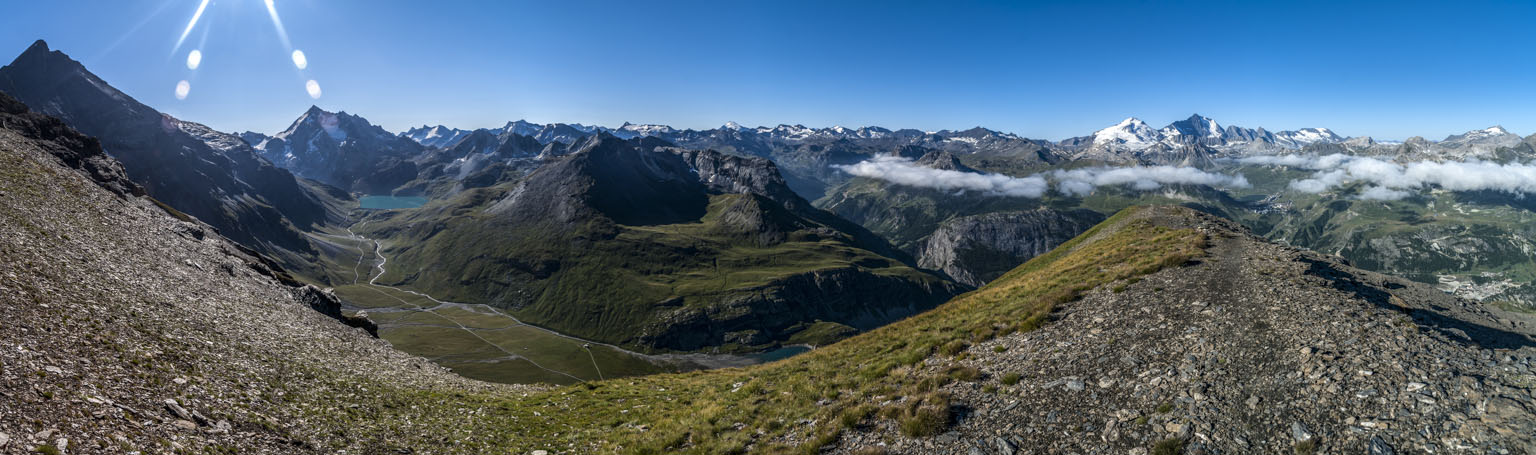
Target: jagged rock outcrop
(325, 302)
(76, 150)
(979, 248)
(943, 160)
(343, 150)
(745, 175)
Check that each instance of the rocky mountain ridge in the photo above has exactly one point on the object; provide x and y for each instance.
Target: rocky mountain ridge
(343, 150)
(210, 175)
(1256, 348)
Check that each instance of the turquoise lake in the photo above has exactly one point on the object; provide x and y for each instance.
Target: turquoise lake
(391, 202)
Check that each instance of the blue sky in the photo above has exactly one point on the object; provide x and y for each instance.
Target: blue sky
(1046, 70)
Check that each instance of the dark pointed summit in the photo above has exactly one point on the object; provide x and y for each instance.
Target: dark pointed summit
(37, 46)
(242, 195)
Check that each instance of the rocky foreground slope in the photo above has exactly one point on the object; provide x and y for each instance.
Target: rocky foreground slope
(126, 327)
(1255, 348)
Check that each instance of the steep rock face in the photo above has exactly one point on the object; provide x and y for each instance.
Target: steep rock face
(76, 150)
(343, 150)
(213, 176)
(616, 180)
(737, 174)
(762, 314)
(979, 248)
(943, 160)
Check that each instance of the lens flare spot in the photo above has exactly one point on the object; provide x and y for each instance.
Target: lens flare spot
(299, 59)
(312, 87)
(184, 87)
(194, 59)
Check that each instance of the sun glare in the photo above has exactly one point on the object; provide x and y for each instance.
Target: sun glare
(282, 34)
(195, 56)
(193, 23)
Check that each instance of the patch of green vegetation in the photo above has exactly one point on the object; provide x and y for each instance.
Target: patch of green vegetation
(1513, 307)
(1171, 446)
(924, 417)
(1165, 408)
(1307, 447)
(1011, 378)
(964, 373)
(954, 347)
(821, 333)
(47, 449)
(479, 342)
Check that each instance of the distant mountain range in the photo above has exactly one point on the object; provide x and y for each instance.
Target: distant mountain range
(1130, 135)
(806, 155)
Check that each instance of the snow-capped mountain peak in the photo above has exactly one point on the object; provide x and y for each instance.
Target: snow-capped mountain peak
(1196, 128)
(1306, 136)
(646, 130)
(1129, 133)
(435, 136)
(1484, 139)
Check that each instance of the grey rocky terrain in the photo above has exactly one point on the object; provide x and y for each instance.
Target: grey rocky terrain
(1256, 348)
(127, 327)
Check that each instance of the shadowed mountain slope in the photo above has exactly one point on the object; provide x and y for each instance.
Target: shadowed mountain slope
(213, 176)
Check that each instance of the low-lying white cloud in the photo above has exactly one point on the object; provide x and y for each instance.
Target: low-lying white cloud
(902, 171)
(1081, 182)
(1392, 181)
(1075, 182)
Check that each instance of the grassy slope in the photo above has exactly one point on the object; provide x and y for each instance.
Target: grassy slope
(607, 282)
(758, 409)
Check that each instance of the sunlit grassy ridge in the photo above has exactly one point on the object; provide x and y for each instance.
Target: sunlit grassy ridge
(797, 404)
